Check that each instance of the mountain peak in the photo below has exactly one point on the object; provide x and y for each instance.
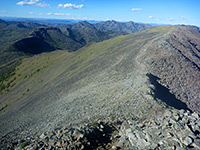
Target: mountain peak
(82, 24)
(114, 21)
(127, 27)
(1, 21)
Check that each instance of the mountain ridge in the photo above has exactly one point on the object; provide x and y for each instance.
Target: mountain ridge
(130, 76)
(110, 76)
(128, 27)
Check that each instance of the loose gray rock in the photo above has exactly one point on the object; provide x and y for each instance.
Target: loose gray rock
(187, 141)
(163, 132)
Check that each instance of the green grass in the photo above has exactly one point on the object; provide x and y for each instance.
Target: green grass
(27, 73)
(93, 124)
(113, 117)
(6, 76)
(23, 145)
(7, 80)
(133, 131)
(3, 108)
(128, 116)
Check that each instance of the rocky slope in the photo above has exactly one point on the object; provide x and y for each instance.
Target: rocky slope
(177, 64)
(118, 79)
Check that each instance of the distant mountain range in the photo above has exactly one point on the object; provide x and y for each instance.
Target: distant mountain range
(52, 22)
(128, 27)
(111, 25)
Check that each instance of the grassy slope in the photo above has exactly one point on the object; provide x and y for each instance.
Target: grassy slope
(63, 88)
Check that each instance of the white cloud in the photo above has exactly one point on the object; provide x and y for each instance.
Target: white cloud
(158, 19)
(31, 12)
(70, 6)
(58, 14)
(182, 18)
(79, 17)
(136, 9)
(32, 3)
(170, 19)
(151, 17)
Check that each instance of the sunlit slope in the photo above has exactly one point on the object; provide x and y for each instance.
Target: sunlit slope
(104, 80)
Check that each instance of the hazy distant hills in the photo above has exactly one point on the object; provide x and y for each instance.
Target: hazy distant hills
(52, 22)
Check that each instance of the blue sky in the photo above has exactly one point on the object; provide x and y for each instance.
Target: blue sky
(146, 11)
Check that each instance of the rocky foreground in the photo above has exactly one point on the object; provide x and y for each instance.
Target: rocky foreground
(173, 129)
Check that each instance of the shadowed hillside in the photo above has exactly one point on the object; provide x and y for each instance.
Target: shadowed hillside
(11, 32)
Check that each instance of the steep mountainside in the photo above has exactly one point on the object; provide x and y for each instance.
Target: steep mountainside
(19, 39)
(177, 64)
(79, 25)
(89, 35)
(121, 27)
(131, 76)
(11, 32)
(127, 27)
(88, 32)
(45, 39)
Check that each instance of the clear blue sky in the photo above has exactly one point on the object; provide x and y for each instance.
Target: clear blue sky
(146, 11)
